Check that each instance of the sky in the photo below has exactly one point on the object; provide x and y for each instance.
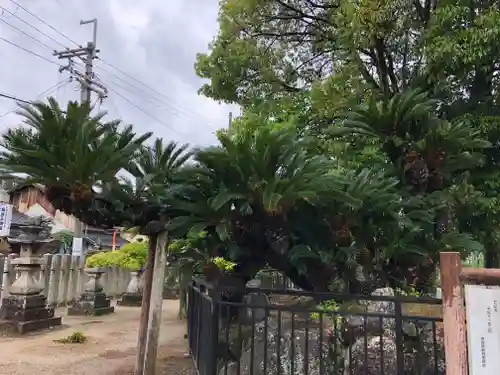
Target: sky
(146, 61)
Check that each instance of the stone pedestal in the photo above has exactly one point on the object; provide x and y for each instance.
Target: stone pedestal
(93, 300)
(133, 295)
(25, 309)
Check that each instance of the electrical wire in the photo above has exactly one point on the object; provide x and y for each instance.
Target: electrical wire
(28, 51)
(146, 112)
(45, 23)
(26, 34)
(190, 112)
(152, 89)
(152, 102)
(7, 96)
(51, 89)
(33, 27)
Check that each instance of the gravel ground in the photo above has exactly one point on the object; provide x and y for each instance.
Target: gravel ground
(109, 350)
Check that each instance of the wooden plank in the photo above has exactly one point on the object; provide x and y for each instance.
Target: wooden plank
(455, 337)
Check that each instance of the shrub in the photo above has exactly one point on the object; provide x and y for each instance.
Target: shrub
(133, 256)
(104, 259)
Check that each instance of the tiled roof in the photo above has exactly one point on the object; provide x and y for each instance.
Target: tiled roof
(18, 217)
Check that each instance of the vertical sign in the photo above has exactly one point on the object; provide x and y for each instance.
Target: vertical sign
(77, 246)
(5, 219)
(483, 329)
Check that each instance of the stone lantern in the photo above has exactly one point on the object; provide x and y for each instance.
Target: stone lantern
(133, 295)
(25, 309)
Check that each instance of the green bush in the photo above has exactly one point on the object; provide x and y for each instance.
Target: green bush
(104, 259)
(133, 256)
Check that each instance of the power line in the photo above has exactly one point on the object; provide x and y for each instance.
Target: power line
(146, 112)
(150, 101)
(28, 51)
(190, 113)
(34, 27)
(26, 34)
(45, 23)
(7, 96)
(45, 92)
(151, 88)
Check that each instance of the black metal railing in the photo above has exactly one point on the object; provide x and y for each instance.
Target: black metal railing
(284, 332)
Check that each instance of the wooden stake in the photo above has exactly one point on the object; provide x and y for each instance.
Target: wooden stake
(146, 298)
(455, 332)
(153, 333)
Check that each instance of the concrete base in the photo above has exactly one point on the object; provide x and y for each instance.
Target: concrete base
(22, 314)
(91, 303)
(130, 299)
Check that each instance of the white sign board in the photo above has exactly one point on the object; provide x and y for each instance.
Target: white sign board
(77, 246)
(5, 219)
(483, 329)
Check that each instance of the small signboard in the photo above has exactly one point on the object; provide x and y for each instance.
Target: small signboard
(5, 219)
(77, 246)
(483, 329)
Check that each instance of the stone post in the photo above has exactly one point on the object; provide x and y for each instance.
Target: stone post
(93, 300)
(133, 295)
(25, 309)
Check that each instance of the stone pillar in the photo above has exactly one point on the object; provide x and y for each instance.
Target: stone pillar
(133, 295)
(25, 309)
(93, 300)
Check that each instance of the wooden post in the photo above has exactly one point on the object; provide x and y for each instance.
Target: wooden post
(455, 336)
(146, 297)
(155, 311)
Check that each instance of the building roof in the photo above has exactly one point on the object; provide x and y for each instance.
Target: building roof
(20, 187)
(18, 217)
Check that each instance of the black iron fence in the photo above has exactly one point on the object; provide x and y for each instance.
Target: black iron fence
(265, 331)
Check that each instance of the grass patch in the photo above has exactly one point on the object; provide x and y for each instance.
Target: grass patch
(75, 338)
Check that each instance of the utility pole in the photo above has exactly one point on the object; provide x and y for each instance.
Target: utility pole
(88, 84)
(87, 54)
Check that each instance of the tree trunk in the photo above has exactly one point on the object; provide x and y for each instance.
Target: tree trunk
(491, 257)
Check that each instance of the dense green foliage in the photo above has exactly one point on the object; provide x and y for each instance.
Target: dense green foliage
(368, 143)
(132, 256)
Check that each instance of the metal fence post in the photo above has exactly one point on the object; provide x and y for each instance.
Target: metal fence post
(214, 333)
(400, 361)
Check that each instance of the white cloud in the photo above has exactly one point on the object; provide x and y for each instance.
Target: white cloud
(153, 41)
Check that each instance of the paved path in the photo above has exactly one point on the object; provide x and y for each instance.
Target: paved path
(110, 348)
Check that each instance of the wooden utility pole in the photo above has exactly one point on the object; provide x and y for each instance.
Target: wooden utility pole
(146, 298)
(155, 308)
(152, 301)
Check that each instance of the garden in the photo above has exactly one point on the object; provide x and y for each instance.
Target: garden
(367, 143)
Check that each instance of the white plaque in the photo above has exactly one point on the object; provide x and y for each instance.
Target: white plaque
(77, 246)
(483, 329)
(5, 219)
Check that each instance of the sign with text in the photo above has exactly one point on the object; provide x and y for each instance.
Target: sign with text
(5, 219)
(483, 328)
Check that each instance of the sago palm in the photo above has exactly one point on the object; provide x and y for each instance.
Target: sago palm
(70, 152)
